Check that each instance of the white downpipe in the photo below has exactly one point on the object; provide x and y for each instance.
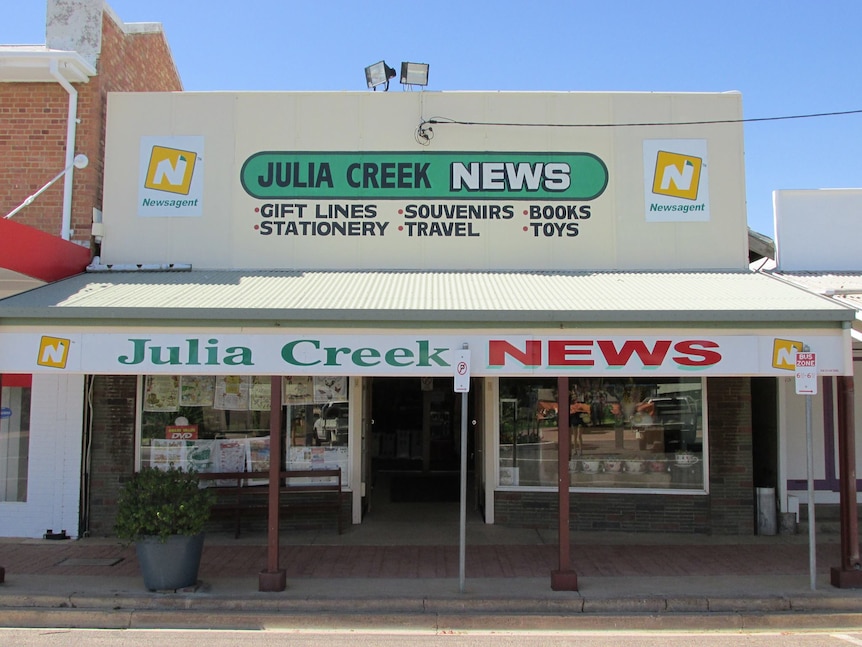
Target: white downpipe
(71, 125)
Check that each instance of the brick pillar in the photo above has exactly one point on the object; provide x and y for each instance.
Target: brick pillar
(112, 448)
(731, 471)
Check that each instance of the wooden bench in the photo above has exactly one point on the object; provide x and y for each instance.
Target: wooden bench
(239, 499)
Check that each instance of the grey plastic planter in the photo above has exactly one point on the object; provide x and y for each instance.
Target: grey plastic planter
(171, 565)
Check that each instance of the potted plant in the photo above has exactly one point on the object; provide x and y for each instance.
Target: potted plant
(164, 513)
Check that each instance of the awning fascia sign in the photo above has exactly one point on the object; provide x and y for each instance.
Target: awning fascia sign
(417, 354)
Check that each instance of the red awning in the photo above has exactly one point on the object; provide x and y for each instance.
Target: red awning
(38, 255)
(16, 379)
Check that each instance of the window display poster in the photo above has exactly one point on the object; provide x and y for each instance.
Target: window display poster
(298, 458)
(328, 388)
(181, 432)
(298, 389)
(231, 392)
(318, 460)
(161, 393)
(230, 455)
(337, 457)
(186, 455)
(509, 475)
(260, 395)
(165, 454)
(313, 458)
(197, 390)
(199, 455)
(257, 458)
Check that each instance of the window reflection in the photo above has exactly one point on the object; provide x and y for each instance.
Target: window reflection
(14, 439)
(624, 433)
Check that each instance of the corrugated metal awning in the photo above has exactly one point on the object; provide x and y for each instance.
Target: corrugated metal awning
(505, 298)
(843, 287)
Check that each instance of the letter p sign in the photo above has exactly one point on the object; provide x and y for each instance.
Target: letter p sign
(462, 371)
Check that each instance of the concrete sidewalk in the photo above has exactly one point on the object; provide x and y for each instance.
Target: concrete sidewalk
(401, 576)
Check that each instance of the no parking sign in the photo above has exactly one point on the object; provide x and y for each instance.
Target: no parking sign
(462, 371)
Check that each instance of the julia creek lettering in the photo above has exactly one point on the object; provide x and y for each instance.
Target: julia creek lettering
(297, 353)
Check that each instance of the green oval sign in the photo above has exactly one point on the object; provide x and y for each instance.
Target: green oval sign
(276, 175)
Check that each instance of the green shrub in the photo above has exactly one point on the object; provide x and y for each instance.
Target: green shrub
(162, 503)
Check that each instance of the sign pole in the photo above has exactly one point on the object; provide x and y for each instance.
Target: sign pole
(462, 386)
(812, 535)
(806, 384)
(462, 554)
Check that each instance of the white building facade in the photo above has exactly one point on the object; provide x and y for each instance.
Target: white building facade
(349, 245)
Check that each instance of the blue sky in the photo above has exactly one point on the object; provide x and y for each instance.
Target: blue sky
(786, 58)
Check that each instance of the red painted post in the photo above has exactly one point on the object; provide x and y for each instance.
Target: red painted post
(273, 579)
(849, 574)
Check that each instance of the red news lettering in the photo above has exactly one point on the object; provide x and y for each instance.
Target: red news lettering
(697, 348)
(560, 352)
(530, 356)
(696, 353)
(652, 357)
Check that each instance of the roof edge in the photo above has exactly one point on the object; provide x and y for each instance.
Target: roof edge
(31, 64)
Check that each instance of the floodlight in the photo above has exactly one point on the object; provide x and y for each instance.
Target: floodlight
(414, 73)
(378, 74)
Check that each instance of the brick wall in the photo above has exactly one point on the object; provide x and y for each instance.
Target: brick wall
(112, 454)
(137, 62)
(731, 481)
(727, 510)
(593, 512)
(33, 150)
(33, 118)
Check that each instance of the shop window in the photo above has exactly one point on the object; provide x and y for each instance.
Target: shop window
(14, 436)
(318, 412)
(624, 433)
(222, 423)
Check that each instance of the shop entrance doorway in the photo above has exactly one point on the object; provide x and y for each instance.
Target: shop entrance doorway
(413, 448)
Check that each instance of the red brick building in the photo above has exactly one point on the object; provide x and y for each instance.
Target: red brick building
(53, 102)
(52, 107)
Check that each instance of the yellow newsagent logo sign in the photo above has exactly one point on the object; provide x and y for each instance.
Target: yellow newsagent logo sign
(170, 169)
(53, 352)
(784, 353)
(677, 175)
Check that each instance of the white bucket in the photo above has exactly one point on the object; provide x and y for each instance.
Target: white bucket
(767, 520)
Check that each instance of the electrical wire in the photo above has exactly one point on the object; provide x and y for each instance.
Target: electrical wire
(425, 123)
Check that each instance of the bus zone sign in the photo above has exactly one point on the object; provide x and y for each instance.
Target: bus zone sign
(806, 374)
